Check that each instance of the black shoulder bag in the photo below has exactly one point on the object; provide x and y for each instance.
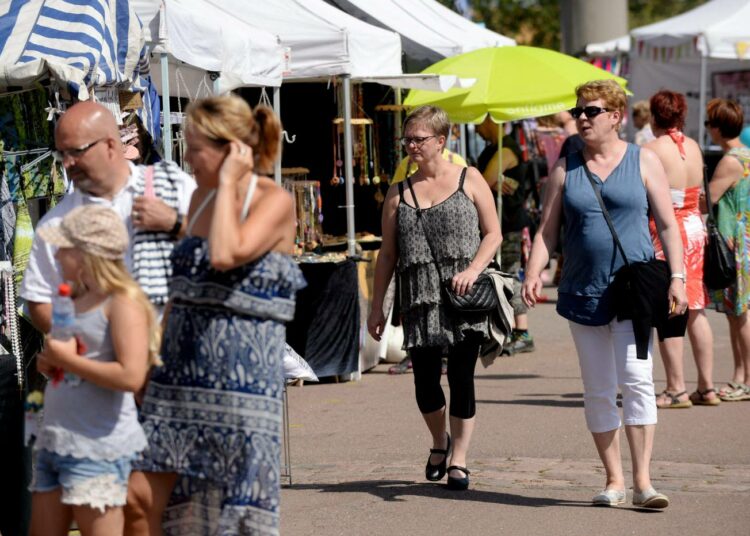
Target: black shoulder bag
(640, 290)
(482, 296)
(719, 269)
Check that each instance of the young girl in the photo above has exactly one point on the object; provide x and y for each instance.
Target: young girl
(90, 431)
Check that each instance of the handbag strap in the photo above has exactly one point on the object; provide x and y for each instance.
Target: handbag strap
(421, 222)
(604, 208)
(148, 179)
(710, 220)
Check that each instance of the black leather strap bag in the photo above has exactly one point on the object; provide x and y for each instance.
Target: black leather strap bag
(482, 296)
(640, 290)
(719, 269)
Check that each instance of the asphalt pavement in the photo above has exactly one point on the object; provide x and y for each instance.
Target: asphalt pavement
(358, 451)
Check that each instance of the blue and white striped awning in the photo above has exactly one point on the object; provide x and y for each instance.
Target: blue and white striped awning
(81, 44)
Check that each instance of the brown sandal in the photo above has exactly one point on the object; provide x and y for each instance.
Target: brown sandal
(674, 401)
(700, 398)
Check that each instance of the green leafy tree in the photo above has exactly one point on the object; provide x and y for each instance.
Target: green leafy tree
(537, 22)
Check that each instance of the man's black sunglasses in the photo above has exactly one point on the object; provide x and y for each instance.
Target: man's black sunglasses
(590, 111)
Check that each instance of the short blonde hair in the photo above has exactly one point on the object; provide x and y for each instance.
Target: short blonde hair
(229, 118)
(433, 117)
(609, 91)
(642, 109)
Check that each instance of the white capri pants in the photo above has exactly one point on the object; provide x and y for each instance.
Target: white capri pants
(607, 357)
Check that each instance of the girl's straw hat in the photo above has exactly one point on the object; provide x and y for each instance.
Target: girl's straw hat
(93, 229)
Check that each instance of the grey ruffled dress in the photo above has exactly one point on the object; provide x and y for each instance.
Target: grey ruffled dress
(453, 229)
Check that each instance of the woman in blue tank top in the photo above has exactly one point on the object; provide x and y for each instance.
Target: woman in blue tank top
(631, 182)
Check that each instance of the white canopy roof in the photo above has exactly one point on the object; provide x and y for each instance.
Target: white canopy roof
(609, 48)
(322, 39)
(722, 28)
(430, 32)
(206, 36)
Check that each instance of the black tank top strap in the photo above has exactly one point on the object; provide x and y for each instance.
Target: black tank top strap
(462, 179)
(401, 192)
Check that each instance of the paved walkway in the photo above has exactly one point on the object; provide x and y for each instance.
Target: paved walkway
(359, 448)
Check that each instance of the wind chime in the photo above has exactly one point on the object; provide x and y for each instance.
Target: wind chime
(364, 154)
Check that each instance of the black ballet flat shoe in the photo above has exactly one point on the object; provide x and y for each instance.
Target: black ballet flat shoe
(433, 473)
(458, 484)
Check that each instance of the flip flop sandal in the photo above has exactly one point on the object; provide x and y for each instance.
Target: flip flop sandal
(741, 393)
(674, 400)
(730, 387)
(700, 398)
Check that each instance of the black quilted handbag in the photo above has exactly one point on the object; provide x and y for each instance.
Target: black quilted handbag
(719, 270)
(482, 296)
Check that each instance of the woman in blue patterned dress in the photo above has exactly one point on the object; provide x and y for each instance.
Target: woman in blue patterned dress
(212, 413)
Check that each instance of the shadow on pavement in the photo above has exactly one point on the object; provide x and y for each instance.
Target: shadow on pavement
(398, 490)
(507, 377)
(538, 402)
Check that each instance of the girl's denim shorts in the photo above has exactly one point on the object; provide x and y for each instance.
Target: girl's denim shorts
(84, 482)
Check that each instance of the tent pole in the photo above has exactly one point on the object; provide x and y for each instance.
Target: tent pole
(166, 111)
(702, 104)
(277, 111)
(462, 140)
(348, 166)
(399, 118)
(216, 85)
(500, 131)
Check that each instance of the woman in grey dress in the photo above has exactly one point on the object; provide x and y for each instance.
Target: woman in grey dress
(451, 207)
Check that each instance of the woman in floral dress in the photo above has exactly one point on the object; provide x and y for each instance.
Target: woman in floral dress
(730, 190)
(212, 414)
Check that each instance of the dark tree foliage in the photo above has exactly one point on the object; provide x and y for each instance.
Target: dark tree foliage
(537, 22)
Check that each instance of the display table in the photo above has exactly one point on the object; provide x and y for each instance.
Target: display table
(326, 325)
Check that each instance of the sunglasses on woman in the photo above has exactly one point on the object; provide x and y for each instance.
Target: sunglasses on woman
(590, 111)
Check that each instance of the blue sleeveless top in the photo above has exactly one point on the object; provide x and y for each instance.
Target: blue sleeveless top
(591, 258)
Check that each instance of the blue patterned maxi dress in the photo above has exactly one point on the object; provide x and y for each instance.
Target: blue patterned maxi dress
(213, 411)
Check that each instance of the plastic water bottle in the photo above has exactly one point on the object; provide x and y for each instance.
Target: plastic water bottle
(63, 314)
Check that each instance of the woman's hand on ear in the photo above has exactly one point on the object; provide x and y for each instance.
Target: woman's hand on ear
(237, 163)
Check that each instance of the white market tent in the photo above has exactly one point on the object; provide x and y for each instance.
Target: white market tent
(620, 45)
(430, 31)
(682, 52)
(204, 37)
(80, 45)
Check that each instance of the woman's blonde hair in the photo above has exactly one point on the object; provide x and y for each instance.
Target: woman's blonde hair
(433, 117)
(609, 91)
(111, 277)
(229, 118)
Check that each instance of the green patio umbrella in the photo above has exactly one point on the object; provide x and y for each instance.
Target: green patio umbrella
(511, 83)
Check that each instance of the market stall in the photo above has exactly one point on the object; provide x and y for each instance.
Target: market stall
(702, 52)
(52, 53)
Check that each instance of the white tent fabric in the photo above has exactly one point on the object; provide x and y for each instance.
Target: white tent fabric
(323, 40)
(718, 25)
(714, 37)
(205, 36)
(80, 44)
(609, 48)
(429, 31)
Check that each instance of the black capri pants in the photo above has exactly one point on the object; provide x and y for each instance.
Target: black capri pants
(427, 368)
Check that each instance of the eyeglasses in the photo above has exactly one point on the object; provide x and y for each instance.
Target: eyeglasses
(418, 141)
(590, 111)
(78, 152)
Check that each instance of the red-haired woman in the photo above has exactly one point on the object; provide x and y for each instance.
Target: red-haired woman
(683, 162)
